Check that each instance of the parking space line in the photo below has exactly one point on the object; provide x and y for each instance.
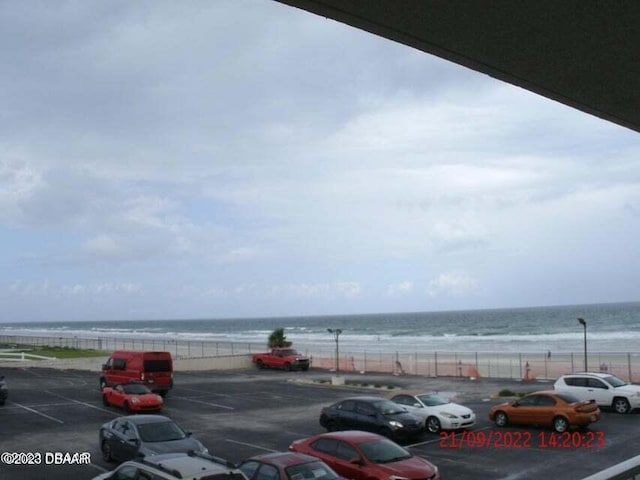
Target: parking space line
(38, 413)
(203, 403)
(78, 402)
(205, 392)
(251, 445)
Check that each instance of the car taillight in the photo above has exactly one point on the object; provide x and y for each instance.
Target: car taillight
(142, 376)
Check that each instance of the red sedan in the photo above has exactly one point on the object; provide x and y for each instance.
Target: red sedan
(366, 456)
(132, 397)
(287, 466)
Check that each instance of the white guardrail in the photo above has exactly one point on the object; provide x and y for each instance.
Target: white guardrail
(12, 356)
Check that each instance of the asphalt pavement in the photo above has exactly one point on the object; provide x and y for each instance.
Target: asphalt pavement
(53, 417)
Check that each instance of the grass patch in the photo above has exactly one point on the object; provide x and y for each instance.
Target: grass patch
(57, 352)
(505, 392)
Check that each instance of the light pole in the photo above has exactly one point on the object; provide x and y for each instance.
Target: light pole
(336, 334)
(583, 322)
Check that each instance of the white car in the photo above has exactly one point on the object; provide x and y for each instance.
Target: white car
(175, 466)
(436, 412)
(606, 389)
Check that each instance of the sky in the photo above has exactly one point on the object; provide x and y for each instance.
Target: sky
(201, 159)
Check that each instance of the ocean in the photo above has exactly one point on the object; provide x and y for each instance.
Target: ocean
(612, 327)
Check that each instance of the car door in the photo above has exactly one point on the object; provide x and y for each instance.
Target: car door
(346, 416)
(325, 450)
(340, 456)
(524, 410)
(599, 391)
(116, 439)
(578, 387)
(545, 410)
(129, 440)
(366, 417)
(116, 395)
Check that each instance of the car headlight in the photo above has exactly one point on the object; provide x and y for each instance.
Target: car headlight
(396, 424)
(135, 400)
(448, 415)
(159, 398)
(202, 448)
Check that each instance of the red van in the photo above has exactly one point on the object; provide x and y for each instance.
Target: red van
(154, 369)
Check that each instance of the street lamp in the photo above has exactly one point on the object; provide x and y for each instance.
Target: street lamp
(583, 322)
(336, 333)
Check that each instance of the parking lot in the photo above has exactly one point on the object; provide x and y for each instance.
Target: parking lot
(240, 414)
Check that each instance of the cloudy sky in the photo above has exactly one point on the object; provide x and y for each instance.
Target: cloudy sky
(243, 158)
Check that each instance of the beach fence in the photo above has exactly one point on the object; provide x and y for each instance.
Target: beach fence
(474, 365)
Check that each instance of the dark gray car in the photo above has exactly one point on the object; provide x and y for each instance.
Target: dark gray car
(373, 414)
(127, 437)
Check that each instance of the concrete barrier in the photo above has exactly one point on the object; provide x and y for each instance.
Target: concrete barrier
(229, 362)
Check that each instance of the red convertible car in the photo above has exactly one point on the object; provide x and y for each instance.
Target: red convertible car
(132, 397)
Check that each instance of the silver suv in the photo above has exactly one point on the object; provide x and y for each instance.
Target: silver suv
(606, 389)
(174, 466)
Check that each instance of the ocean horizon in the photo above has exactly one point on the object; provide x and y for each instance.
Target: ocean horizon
(611, 327)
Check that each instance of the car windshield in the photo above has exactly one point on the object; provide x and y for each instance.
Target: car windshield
(310, 471)
(615, 381)
(384, 451)
(387, 407)
(431, 400)
(160, 432)
(135, 388)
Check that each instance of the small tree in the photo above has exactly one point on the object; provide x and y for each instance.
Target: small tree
(277, 339)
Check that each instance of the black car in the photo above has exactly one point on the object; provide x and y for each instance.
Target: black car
(373, 414)
(4, 391)
(127, 437)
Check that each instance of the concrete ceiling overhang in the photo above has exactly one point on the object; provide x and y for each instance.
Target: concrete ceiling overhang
(582, 53)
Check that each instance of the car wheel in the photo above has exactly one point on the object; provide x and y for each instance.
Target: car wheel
(287, 367)
(501, 419)
(106, 451)
(103, 383)
(433, 425)
(105, 402)
(560, 424)
(259, 364)
(621, 405)
(127, 407)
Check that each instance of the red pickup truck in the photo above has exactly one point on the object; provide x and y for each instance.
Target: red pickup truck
(287, 358)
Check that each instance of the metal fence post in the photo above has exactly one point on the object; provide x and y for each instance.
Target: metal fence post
(435, 354)
(520, 361)
(572, 367)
